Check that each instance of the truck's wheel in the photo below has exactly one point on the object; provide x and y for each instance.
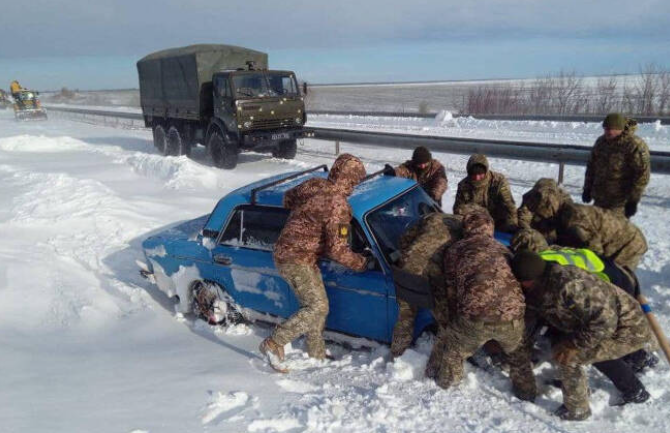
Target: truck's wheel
(175, 144)
(223, 150)
(215, 305)
(285, 149)
(160, 141)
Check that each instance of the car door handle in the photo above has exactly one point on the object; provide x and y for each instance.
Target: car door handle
(223, 260)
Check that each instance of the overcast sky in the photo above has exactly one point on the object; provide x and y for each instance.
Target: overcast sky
(95, 44)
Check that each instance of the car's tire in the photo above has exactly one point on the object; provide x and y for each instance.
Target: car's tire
(214, 305)
(223, 150)
(174, 142)
(160, 139)
(286, 149)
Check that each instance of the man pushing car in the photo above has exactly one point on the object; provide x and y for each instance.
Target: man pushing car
(317, 227)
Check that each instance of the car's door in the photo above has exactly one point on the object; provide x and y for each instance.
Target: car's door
(243, 262)
(358, 300)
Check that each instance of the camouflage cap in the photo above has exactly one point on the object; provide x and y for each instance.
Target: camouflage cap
(478, 222)
(528, 239)
(347, 172)
(615, 121)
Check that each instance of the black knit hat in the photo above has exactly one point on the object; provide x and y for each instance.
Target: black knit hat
(528, 265)
(421, 155)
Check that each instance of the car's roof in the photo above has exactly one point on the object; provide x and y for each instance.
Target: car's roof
(367, 195)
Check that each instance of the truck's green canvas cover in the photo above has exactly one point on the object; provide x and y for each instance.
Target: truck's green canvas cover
(177, 82)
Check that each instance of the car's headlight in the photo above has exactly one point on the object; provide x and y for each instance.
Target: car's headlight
(247, 124)
(298, 120)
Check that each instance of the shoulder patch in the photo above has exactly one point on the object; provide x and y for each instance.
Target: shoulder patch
(343, 230)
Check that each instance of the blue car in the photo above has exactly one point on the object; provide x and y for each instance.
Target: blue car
(220, 265)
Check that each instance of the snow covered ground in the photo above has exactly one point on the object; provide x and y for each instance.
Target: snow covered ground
(88, 345)
(656, 135)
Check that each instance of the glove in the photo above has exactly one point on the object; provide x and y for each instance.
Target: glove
(370, 262)
(630, 209)
(586, 196)
(565, 352)
(389, 170)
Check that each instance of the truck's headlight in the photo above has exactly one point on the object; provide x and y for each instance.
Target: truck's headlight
(298, 120)
(247, 124)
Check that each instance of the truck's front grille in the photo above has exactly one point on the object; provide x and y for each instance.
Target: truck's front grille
(272, 123)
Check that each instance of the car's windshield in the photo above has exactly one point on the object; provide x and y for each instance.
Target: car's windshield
(261, 84)
(282, 84)
(389, 222)
(26, 95)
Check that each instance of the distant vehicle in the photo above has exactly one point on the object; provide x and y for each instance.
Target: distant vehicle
(220, 265)
(5, 103)
(27, 106)
(221, 96)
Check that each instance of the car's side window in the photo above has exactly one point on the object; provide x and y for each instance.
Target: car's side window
(255, 227)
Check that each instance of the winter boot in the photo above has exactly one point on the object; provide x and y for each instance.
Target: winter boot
(274, 353)
(563, 413)
(638, 396)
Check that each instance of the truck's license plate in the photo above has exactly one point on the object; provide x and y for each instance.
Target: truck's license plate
(280, 136)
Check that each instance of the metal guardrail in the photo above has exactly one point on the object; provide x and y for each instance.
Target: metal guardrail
(665, 120)
(525, 151)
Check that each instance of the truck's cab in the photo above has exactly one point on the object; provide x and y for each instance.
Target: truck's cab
(259, 107)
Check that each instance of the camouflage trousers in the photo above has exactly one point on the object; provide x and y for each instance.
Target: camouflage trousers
(310, 319)
(403, 331)
(463, 337)
(573, 376)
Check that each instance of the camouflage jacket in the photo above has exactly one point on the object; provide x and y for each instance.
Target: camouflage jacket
(477, 266)
(603, 232)
(493, 193)
(618, 170)
(422, 246)
(433, 179)
(584, 307)
(318, 225)
(540, 206)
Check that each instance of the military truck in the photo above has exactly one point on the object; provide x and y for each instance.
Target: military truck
(223, 97)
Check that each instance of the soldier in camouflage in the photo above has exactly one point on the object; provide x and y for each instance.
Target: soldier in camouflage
(620, 371)
(542, 218)
(422, 248)
(618, 169)
(489, 305)
(603, 232)
(600, 230)
(488, 189)
(318, 226)
(593, 320)
(426, 171)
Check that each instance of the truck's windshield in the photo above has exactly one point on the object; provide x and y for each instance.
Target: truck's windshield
(261, 84)
(390, 221)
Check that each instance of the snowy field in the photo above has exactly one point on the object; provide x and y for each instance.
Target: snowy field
(89, 346)
(444, 124)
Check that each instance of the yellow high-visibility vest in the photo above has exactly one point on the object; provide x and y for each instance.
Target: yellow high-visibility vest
(582, 258)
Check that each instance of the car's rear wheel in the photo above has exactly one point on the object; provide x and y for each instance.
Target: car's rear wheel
(214, 305)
